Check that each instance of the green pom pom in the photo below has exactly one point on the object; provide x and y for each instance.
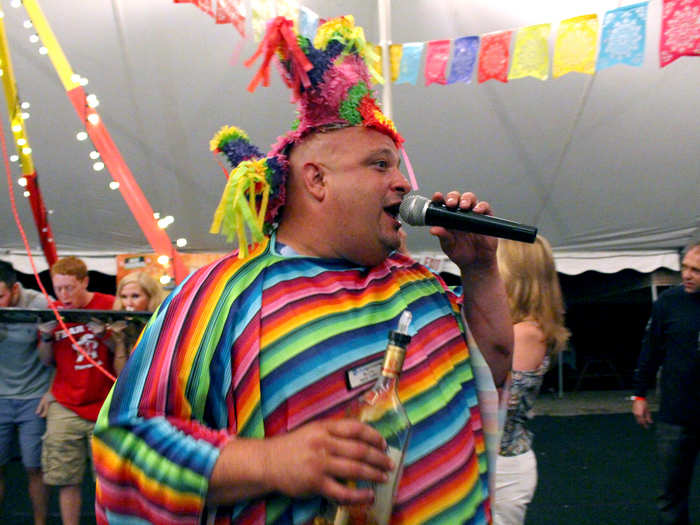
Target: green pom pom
(348, 108)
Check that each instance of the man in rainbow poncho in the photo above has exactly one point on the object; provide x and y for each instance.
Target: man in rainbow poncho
(231, 408)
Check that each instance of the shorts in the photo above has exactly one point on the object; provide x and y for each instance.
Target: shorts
(19, 415)
(516, 481)
(67, 446)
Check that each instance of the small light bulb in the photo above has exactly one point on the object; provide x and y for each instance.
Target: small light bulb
(22, 181)
(181, 242)
(93, 118)
(83, 81)
(27, 150)
(94, 155)
(43, 50)
(14, 158)
(114, 185)
(92, 100)
(26, 194)
(162, 224)
(81, 135)
(25, 115)
(16, 3)
(33, 38)
(98, 166)
(75, 78)
(165, 279)
(21, 141)
(17, 128)
(156, 215)
(163, 259)
(25, 105)
(27, 24)
(2, 14)
(2, 72)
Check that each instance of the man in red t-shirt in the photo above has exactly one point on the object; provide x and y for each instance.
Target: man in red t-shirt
(79, 386)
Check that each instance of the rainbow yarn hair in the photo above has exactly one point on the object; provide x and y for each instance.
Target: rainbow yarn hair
(330, 83)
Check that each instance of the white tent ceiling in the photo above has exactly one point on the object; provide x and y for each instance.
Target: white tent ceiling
(598, 163)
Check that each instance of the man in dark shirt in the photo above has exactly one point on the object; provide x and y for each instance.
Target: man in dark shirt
(672, 340)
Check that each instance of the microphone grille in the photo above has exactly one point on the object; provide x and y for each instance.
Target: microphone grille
(412, 210)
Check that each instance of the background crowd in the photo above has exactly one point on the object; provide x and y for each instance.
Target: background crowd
(51, 393)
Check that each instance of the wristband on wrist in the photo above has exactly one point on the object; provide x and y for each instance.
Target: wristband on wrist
(638, 398)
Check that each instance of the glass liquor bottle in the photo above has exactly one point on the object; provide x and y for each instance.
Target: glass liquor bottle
(381, 408)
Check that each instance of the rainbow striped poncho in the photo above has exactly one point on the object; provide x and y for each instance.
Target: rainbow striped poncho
(259, 346)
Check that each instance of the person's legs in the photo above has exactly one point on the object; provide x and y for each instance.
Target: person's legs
(7, 431)
(69, 501)
(677, 449)
(39, 494)
(64, 456)
(516, 481)
(31, 429)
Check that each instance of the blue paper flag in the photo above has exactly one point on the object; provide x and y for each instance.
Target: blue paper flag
(410, 63)
(308, 23)
(623, 36)
(463, 59)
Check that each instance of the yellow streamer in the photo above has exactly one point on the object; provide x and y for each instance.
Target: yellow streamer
(235, 212)
(19, 130)
(343, 29)
(43, 29)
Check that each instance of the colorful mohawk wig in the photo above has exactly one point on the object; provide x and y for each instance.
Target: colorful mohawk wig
(330, 83)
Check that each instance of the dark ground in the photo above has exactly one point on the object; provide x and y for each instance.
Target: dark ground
(593, 470)
(596, 470)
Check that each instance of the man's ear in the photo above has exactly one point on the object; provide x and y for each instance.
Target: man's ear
(14, 294)
(314, 178)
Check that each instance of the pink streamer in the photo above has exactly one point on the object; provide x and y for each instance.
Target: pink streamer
(237, 51)
(409, 169)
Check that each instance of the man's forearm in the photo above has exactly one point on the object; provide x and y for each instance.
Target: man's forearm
(238, 472)
(487, 314)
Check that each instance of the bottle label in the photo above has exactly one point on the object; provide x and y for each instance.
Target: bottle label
(393, 360)
(363, 374)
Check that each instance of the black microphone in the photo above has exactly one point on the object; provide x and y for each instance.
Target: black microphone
(419, 211)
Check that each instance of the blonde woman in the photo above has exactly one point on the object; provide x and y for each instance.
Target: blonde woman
(537, 310)
(136, 292)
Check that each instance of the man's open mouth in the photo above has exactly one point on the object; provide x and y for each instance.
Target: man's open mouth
(393, 210)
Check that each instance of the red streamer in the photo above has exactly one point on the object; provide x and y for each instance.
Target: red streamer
(23, 234)
(279, 36)
(130, 190)
(41, 220)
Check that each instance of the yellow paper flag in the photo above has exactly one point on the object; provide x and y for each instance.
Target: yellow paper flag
(575, 48)
(395, 54)
(377, 64)
(531, 53)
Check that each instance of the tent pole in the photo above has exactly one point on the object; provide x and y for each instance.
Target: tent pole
(384, 8)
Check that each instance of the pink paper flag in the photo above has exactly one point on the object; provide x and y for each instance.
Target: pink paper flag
(436, 57)
(680, 30)
(493, 56)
